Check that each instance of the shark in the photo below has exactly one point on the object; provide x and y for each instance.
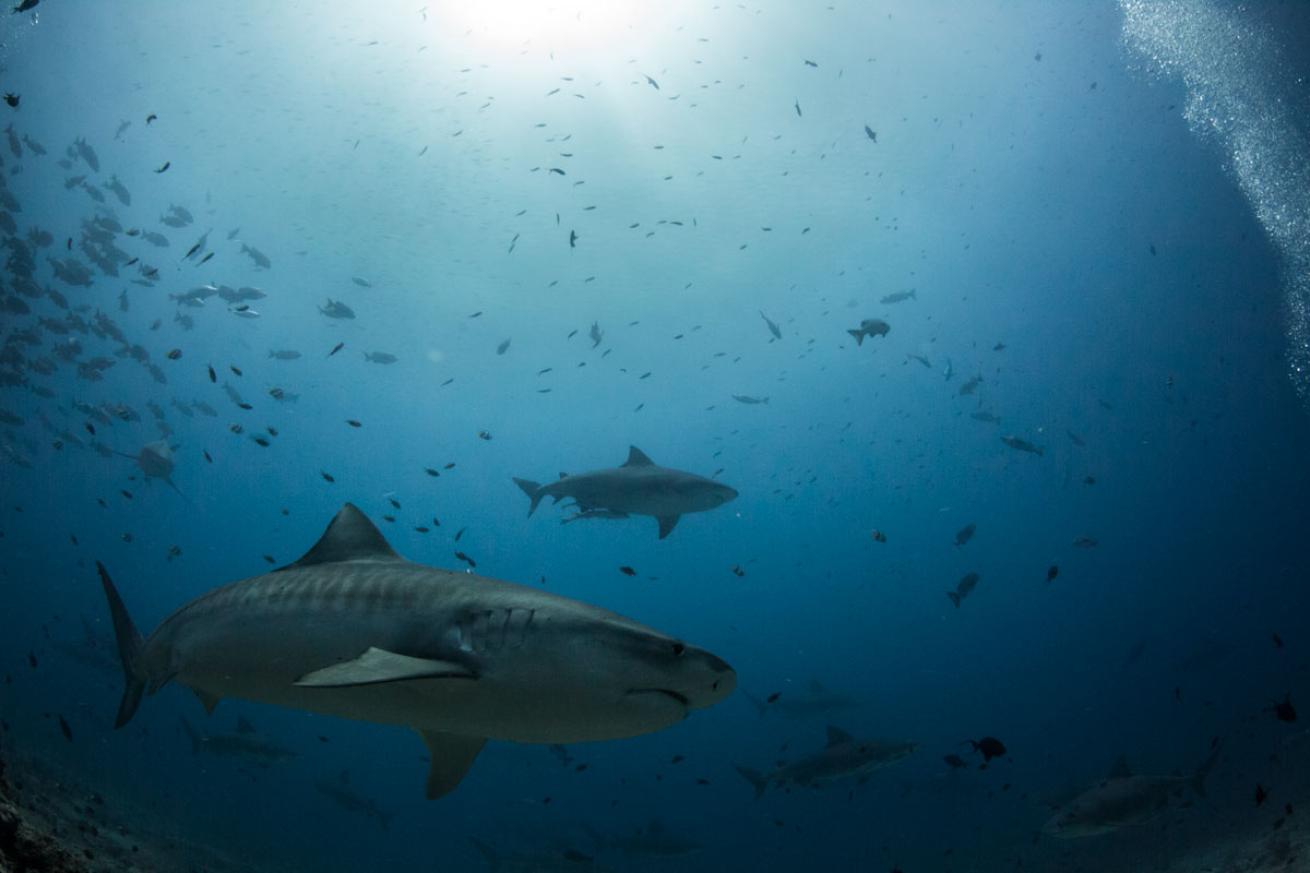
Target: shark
(354, 630)
(237, 745)
(653, 840)
(638, 487)
(817, 700)
(343, 795)
(1126, 799)
(844, 757)
(156, 462)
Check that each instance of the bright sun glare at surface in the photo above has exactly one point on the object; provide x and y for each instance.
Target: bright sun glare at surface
(519, 24)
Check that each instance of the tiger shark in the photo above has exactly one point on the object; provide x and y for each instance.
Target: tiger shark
(155, 461)
(356, 631)
(639, 487)
(844, 757)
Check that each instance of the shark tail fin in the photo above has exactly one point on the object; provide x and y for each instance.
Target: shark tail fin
(130, 644)
(955, 598)
(1203, 772)
(859, 336)
(760, 706)
(532, 489)
(757, 780)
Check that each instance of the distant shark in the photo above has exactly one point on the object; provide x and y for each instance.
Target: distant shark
(238, 745)
(354, 630)
(1126, 799)
(346, 797)
(817, 700)
(639, 487)
(156, 462)
(844, 757)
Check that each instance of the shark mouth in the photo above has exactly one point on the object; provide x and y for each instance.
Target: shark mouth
(667, 692)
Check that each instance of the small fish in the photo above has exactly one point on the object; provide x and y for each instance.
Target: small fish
(971, 386)
(1085, 543)
(354, 422)
(503, 347)
(1022, 445)
(327, 477)
(773, 327)
(1051, 572)
(749, 400)
(1260, 794)
(627, 571)
(963, 589)
(955, 762)
(573, 235)
(595, 334)
(900, 297)
(988, 747)
(165, 167)
(964, 534)
(869, 327)
(798, 109)
(877, 536)
(361, 282)
(1284, 711)
(65, 729)
(338, 347)
(466, 559)
(12, 99)
(380, 357)
(870, 133)
(738, 571)
(1277, 640)
(173, 354)
(431, 472)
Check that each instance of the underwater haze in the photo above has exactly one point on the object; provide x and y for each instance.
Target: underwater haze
(938, 374)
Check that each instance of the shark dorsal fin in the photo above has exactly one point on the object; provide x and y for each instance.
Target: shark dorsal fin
(837, 736)
(349, 537)
(1121, 770)
(637, 458)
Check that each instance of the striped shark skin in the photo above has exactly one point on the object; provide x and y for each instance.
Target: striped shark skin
(354, 630)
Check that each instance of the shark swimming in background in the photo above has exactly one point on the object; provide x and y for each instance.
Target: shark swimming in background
(844, 757)
(639, 487)
(356, 631)
(156, 462)
(1126, 799)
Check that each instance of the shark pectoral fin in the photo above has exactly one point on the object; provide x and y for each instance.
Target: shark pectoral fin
(452, 755)
(208, 700)
(667, 523)
(379, 665)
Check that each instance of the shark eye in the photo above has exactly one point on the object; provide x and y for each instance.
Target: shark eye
(678, 649)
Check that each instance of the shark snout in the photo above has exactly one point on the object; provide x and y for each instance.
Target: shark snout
(715, 680)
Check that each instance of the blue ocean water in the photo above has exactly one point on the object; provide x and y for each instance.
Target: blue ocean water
(1102, 211)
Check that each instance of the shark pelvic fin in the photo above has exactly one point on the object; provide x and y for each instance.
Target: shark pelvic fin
(452, 755)
(378, 665)
(667, 523)
(637, 458)
(350, 536)
(210, 701)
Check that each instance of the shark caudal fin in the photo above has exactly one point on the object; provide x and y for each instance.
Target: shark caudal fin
(1202, 772)
(757, 780)
(859, 336)
(532, 489)
(130, 644)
